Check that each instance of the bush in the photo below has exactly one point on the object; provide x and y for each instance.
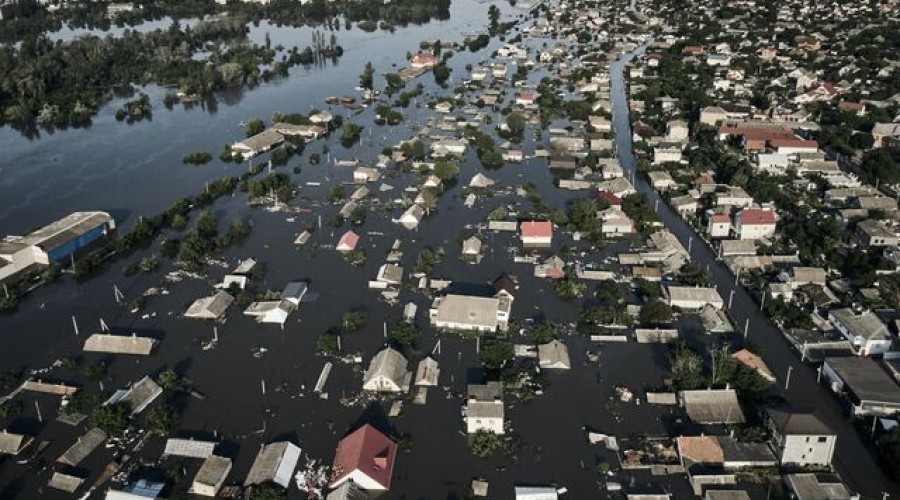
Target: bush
(484, 444)
(197, 158)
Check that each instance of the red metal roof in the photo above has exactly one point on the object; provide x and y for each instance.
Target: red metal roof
(368, 451)
(611, 198)
(536, 229)
(755, 217)
(793, 143)
(721, 218)
(348, 240)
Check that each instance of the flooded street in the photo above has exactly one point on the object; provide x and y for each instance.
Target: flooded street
(132, 170)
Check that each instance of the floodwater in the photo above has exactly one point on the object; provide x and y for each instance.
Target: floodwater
(136, 169)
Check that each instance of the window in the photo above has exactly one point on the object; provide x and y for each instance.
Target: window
(823, 439)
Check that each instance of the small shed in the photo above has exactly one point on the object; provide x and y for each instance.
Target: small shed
(554, 355)
(211, 476)
(189, 448)
(276, 463)
(65, 482)
(212, 307)
(13, 444)
(82, 447)
(427, 372)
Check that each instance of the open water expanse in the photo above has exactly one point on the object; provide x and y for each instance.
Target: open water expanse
(132, 170)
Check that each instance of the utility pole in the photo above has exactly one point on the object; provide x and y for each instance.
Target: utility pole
(787, 380)
(75, 325)
(690, 243)
(730, 298)
(746, 327)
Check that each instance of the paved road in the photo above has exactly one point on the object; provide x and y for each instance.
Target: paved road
(852, 460)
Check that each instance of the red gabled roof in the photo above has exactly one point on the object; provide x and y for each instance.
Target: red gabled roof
(792, 143)
(349, 239)
(368, 451)
(536, 229)
(755, 217)
(720, 218)
(611, 198)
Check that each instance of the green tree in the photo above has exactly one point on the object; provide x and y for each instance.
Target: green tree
(327, 344)
(353, 321)
(493, 17)
(267, 491)
(169, 380)
(405, 335)
(161, 420)
(687, 369)
(366, 80)
(254, 126)
(496, 353)
(441, 73)
(655, 313)
(446, 169)
(484, 443)
(112, 418)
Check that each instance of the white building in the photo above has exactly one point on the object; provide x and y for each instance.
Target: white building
(472, 313)
(484, 408)
(868, 335)
(754, 224)
(693, 298)
(801, 438)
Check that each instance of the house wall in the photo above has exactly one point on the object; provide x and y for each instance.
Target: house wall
(807, 449)
(381, 384)
(719, 229)
(754, 231)
(494, 425)
(537, 240)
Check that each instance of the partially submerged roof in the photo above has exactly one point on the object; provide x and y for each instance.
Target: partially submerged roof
(388, 363)
(189, 448)
(554, 354)
(213, 471)
(13, 444)
(139, 395)
(712, 406)
(212, 307)
(82, 447)
(275, 462)
(65, 482)
(120, 344)
(427, 372)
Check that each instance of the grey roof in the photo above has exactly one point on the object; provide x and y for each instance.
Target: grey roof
(65, 482)
(12, 444)
(726, 495)
(798, 422)
(268, 461)
(189, 448)
(737, 247)
(490, 391)
(82, 447)
(719, 406)
(554, 354)
(866, 379)
(141, 394)
(245, 266)
(66, 229)
(467, 309)
(865, 325)
(736, 451)
(388, 363)
(484, 409)
(261, 141)
(213, 471)
(817, 487)
(294, 291)
(212, 307)
(120, 344)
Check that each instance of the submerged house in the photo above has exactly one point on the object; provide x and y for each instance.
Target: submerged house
(212, 307)
(470, 312)
(387, 372)
(257, 144)
(275, 462)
